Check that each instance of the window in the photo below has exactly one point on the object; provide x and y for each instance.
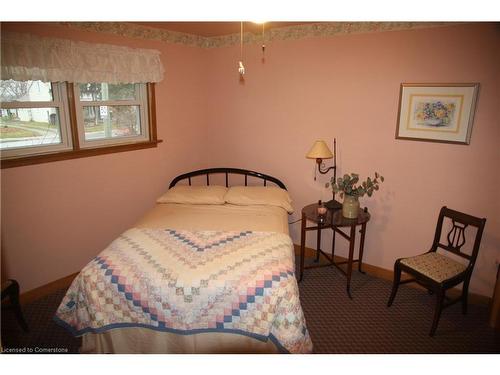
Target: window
(34, 118)
(111, 113)
(44, 121)
(59, 98)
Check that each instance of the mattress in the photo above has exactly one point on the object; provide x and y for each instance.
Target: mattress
(186, 217)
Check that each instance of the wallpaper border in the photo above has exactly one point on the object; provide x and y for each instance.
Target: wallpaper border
(314, 30)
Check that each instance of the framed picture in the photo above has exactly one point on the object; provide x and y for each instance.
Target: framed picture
(437, 112)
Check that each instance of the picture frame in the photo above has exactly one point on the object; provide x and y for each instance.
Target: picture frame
(437, 112)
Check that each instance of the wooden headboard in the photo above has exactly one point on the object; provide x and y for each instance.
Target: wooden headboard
(227, 172)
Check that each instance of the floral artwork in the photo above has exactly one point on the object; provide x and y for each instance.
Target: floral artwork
(434, 113)
(437, 112)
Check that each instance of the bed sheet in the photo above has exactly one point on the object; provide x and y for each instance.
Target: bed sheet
(226, 217)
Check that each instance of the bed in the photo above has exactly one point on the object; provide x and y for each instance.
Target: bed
(210, 269)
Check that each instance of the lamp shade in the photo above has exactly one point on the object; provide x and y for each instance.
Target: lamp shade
(319, 150)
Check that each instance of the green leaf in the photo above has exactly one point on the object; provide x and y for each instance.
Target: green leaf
(348, 185)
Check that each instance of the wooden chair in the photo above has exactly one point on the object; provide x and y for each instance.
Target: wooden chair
(437, 272)
(10, 289)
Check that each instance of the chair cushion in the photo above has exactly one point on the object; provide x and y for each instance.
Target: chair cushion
(435, 266)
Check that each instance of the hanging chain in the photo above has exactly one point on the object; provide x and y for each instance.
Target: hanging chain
(263, 41)
(241, 67)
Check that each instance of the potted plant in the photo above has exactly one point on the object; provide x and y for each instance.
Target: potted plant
(351, 189)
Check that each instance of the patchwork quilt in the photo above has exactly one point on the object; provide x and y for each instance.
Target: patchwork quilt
(189, 282)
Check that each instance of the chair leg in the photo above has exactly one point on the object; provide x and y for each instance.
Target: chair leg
(395, 283)
(465, 295)
(437, 311)
(13, 293)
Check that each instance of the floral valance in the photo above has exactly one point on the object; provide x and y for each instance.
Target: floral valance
(30, 57)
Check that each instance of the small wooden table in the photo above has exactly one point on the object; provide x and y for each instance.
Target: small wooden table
(334, 220)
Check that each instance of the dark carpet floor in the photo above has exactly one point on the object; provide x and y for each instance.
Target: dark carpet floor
(336, 323)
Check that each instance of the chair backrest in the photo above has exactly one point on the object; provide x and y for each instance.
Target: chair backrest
(456, 236)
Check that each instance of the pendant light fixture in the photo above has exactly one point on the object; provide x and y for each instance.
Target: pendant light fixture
(241, 66)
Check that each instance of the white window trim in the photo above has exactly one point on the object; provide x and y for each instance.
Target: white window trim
(141, 102)
(60, 101)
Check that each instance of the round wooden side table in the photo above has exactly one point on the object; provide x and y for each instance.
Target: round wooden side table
(333, 220)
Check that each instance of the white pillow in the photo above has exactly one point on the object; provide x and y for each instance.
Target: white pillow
(194, 195)
(260, 195)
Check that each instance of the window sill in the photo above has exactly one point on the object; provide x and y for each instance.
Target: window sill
(76, 154)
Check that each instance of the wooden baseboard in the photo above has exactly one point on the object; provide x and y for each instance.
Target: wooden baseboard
(44, 290)
(385, 274)
(376, 271)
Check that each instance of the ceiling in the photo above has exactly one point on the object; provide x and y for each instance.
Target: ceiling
(210, 29)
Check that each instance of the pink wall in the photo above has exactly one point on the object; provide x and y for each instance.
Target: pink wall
(348, 87)
(345, 87)
(57, 216)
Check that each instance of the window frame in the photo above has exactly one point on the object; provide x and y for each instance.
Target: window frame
(140, 101)
(59, 101)
(79, 150)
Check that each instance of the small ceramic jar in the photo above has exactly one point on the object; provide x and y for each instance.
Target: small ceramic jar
(321, 209)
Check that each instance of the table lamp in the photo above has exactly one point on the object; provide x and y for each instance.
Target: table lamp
(320, 151)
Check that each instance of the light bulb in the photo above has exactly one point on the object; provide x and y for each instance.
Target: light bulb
(241, 68)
